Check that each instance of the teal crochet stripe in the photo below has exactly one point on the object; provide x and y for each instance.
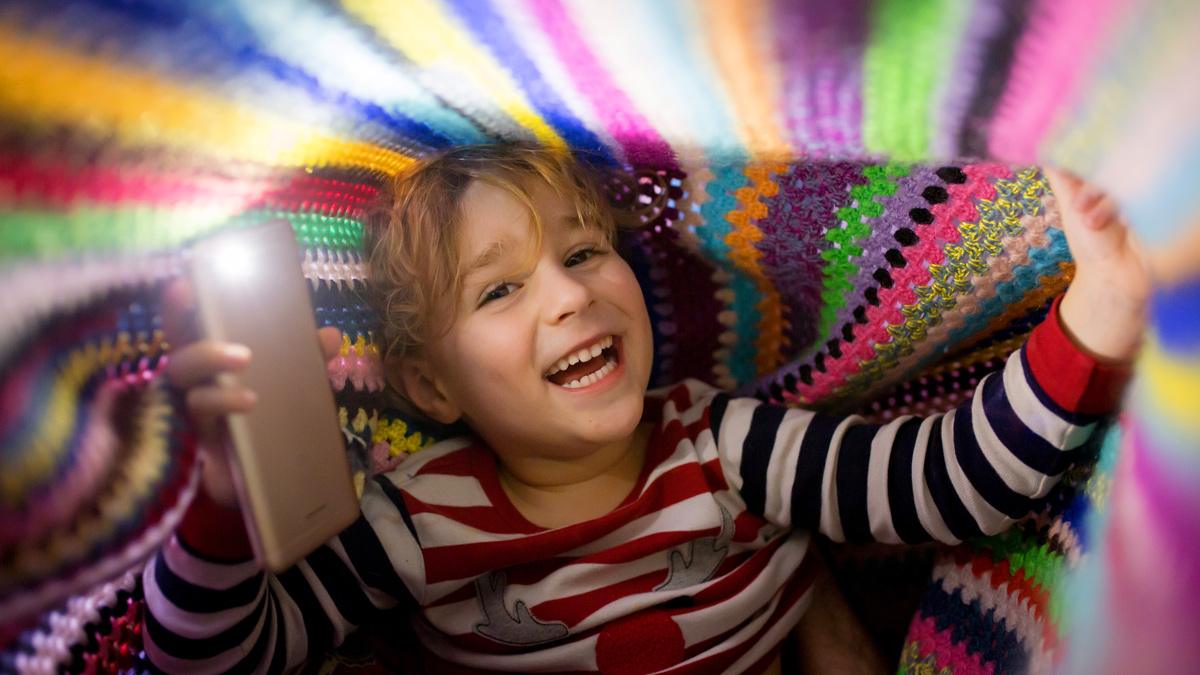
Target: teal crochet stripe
(1042, 262)
(726, 181)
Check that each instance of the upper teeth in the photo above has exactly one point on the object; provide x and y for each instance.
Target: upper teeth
(583, 355)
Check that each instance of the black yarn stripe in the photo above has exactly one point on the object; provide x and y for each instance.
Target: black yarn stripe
(1000, 51)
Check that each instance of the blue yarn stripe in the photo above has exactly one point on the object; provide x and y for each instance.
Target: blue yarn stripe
(189, 42)
(983, 634)
(489, 28)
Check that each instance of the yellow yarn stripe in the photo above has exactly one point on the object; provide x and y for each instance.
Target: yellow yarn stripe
(423, 33)
(41, 84)
(950, 277)
(33, 465)
(137, 475)
(1171, 385)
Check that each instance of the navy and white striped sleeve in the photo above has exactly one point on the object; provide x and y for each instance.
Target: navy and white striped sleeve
(947, 477)
(205, 614)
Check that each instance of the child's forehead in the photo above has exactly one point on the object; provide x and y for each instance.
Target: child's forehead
(495, 221)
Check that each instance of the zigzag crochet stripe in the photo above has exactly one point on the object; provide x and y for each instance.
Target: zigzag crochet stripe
(886, 323)
(932, 650)
(983, 286)
(998, 220)
(144, 110)
(140, 228)
(867, 228)
(737, 41)
(981, 634)
(792, 237)
(822, 74)
(741, 288)
(183, 44)
(641, 141)
(901, 71)
(489, 29)
(992, 588)
(1056, 51)
(422, 31)
(741, 240)
(353, 62)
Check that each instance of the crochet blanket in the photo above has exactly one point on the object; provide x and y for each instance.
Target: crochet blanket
(811, 225)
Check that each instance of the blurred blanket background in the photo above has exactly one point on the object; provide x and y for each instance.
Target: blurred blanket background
(830, 204)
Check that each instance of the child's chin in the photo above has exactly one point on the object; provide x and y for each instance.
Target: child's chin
(620, 421)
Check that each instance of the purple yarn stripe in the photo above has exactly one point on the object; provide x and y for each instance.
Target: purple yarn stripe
(794, 235)
(895, 216)
(820, 50)
(987, 19)
(643, 145)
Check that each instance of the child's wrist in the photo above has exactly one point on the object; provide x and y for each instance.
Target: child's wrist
(1101, 321)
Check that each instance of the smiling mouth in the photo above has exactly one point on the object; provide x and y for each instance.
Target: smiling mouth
(586, 366)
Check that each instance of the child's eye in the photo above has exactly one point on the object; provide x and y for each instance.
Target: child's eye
(496, 292)
(582, 256)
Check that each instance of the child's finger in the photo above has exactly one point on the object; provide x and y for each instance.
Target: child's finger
(331, 341)
(211, 401)
(198, 362)
(1088, 197)
(1101, 213)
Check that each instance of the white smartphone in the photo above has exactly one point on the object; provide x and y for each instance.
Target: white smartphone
(289, 465)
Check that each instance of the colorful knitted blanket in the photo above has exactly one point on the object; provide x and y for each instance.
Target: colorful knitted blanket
(832, 205)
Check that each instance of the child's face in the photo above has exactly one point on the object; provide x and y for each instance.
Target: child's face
(525, 313)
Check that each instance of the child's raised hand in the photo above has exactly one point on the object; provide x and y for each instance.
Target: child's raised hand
(1104, 310)
(193, 367)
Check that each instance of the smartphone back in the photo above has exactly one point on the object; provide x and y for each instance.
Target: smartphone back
(289, 461)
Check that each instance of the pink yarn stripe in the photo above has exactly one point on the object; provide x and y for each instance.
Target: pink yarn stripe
(960, 207)
(642, 143)
(1054, 56)
(23, 179)
(946, 652)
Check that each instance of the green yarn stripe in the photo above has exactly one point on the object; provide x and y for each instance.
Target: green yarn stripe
(46, 235)
(839, 269)
(907, 58)
(1034, 559)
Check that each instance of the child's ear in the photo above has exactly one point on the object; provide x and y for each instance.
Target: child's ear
(414, 378)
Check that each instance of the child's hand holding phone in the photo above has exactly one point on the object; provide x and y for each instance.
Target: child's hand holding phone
(193, 367)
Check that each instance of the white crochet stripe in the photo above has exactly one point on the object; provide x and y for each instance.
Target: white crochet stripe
(34, 291)
(526, 31)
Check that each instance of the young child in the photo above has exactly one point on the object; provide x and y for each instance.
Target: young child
(587, 525)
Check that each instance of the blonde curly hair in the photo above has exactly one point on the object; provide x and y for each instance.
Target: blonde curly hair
(411, 237)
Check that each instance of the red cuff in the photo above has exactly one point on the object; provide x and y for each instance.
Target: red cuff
(1073, 379)
(215, 531)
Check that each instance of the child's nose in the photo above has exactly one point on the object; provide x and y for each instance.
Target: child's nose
(566, 296)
